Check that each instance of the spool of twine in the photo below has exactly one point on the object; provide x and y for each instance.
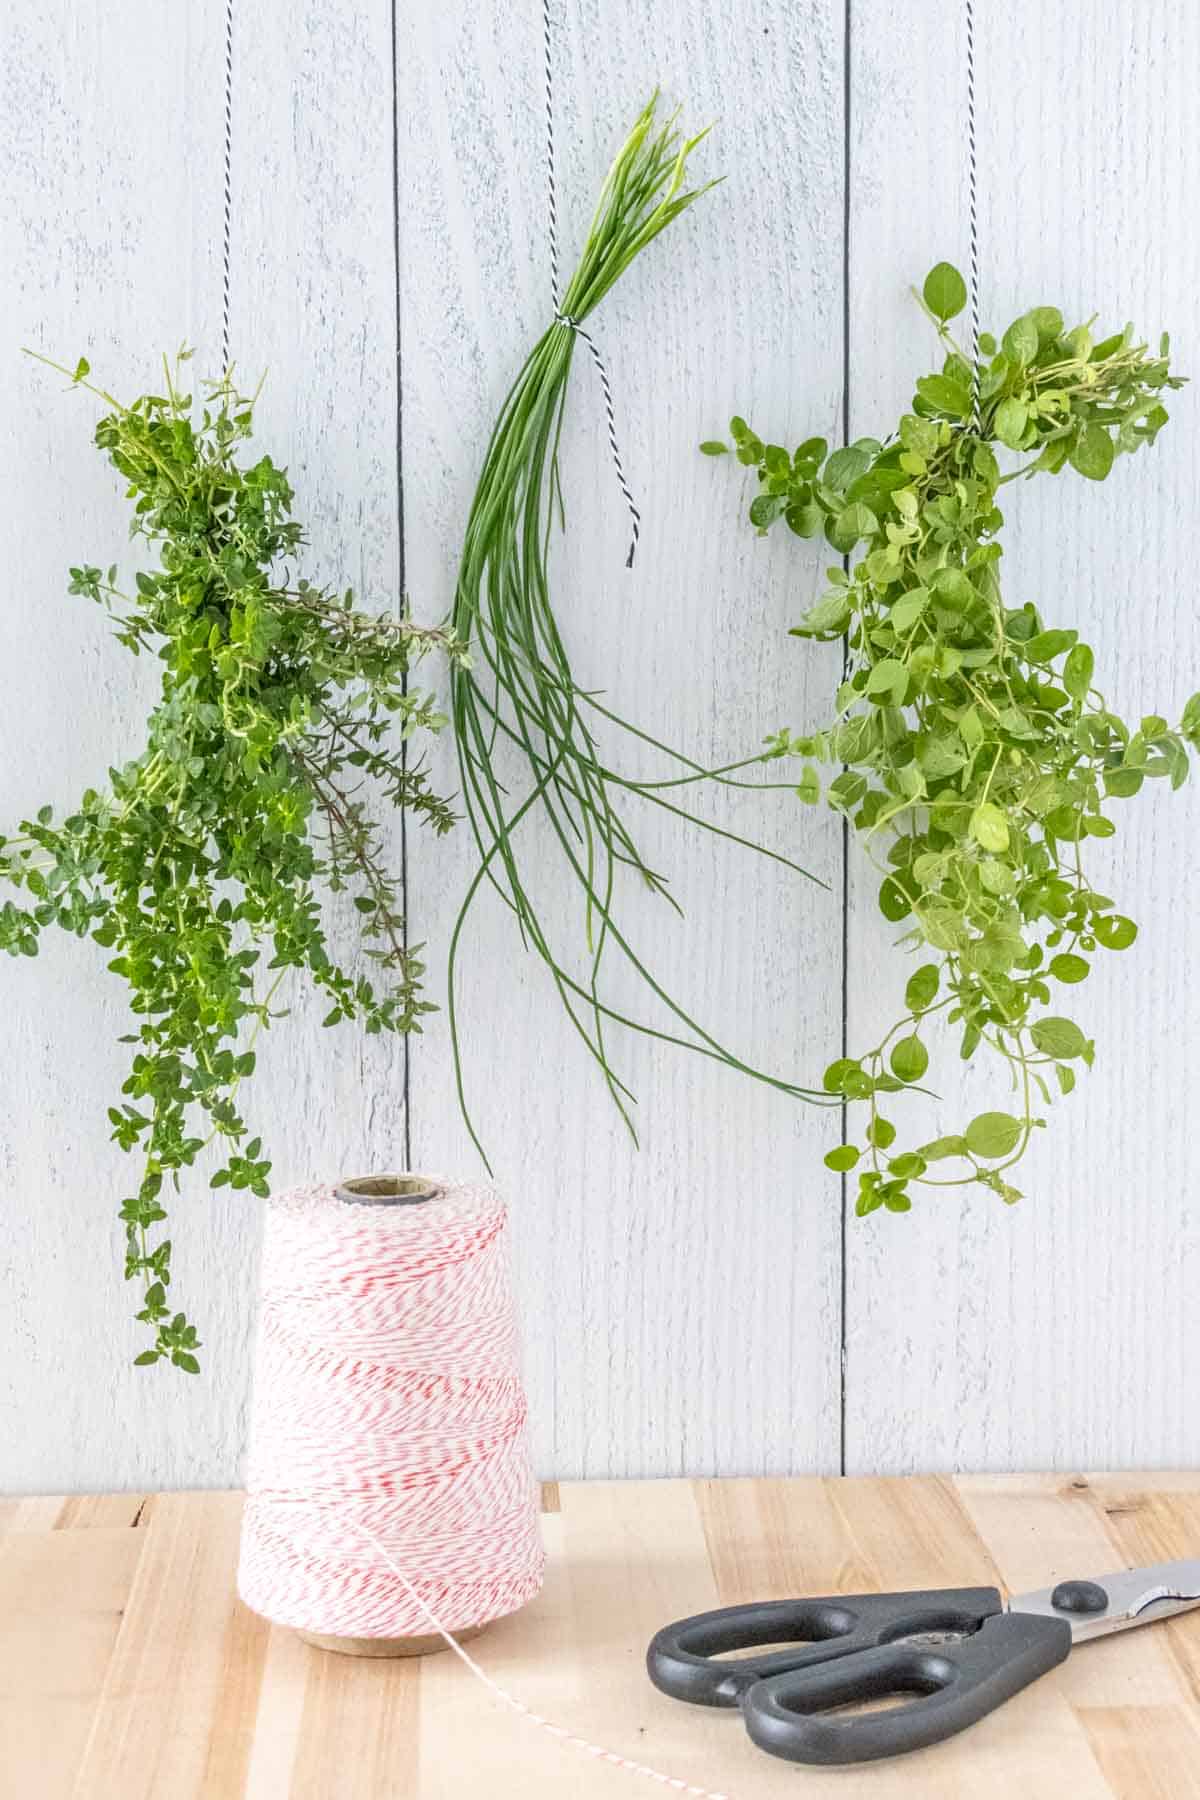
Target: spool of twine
(388, 1426)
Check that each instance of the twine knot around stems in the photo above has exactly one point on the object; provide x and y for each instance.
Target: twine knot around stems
(572, 324)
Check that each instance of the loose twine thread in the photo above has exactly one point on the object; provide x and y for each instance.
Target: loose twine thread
(390, 1490)
(570, 1738)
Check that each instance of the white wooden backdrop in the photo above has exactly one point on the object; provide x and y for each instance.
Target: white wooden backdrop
(700, 1305)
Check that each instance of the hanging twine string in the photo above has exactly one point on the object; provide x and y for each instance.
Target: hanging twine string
(972, 211)
(228, 182)
(551, 196)
(634, 514)
(565, 319)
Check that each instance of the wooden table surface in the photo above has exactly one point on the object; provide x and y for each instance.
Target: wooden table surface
(130, 1671)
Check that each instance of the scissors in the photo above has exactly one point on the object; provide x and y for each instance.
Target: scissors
(959, 1651)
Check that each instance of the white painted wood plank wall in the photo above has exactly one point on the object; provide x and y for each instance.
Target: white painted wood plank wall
(684, 1306)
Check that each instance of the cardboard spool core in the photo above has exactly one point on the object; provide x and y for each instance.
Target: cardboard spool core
(401, 1189)
(376, 1646)
(387, 1190)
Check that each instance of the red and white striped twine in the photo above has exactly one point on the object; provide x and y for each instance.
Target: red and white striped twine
(389, 1487)
(389, 1419)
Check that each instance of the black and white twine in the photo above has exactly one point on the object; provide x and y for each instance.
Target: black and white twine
(972, 211)
(565, 319)
(228, 225)
(551, 197)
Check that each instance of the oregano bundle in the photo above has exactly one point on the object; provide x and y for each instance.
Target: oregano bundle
(975, 755)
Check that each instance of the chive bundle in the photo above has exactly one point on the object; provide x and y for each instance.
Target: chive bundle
(519, 687)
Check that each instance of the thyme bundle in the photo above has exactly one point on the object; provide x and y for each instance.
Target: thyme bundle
(198, 866)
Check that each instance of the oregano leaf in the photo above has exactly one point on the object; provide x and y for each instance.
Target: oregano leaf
(922, 986)
(1092, 453)
(989, 827)
(1057, 1037)
(993, 1134)
(944, 291)
(909, 1059)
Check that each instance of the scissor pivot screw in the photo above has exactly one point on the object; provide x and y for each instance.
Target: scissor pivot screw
(1079, 1597)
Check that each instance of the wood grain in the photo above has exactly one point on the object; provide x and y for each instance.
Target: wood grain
(184, 1632)
(127, 1666)
(62, 1594)
(1060, 1331)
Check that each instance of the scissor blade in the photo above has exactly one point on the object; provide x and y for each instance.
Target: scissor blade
(1116, 1602)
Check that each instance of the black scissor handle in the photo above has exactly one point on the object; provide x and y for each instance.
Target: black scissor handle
(683, 1658)
(956, 1684)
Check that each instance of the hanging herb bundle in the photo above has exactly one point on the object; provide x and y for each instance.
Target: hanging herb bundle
(198, 866)
(519, 688)
(977, 755)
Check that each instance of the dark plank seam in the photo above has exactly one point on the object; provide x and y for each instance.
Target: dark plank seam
(845, 945)
(401, 567)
